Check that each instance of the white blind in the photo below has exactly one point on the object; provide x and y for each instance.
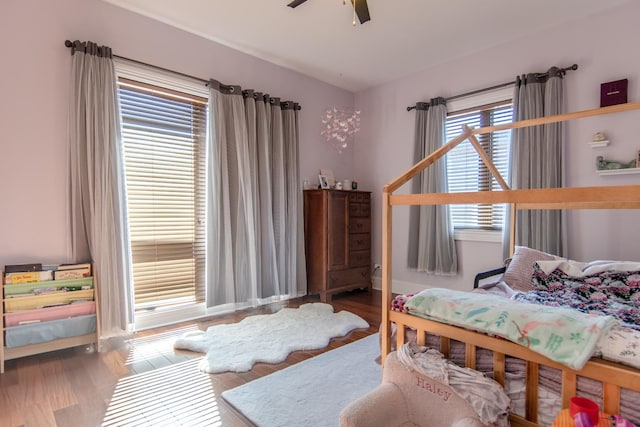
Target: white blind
(164, 133)
(465, 170)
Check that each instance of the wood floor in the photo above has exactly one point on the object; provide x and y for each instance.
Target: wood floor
(143, 381)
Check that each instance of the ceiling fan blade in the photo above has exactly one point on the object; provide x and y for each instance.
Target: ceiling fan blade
(296, 3)
(362, 10)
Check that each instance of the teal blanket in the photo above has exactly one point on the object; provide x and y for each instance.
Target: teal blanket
(564, 335)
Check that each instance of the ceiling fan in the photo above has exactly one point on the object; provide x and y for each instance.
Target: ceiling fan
(360, 7)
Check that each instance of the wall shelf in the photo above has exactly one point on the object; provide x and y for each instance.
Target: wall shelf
(599, 144)
(625, 171)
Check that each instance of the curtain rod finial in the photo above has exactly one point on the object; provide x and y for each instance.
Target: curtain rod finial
(68, 43)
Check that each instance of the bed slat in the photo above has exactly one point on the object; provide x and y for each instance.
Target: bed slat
(611, 398)
(470, 356)
(569, 385)
(499, 367)
(445, 347)
(532, 391)
(400, 336)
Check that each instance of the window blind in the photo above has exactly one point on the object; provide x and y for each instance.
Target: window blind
(465, 170)
(164, 134)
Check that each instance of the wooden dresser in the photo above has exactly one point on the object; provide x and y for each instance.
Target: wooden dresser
(337, 229)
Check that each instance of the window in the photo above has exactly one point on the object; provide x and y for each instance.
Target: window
(164, 139)
(465, 170)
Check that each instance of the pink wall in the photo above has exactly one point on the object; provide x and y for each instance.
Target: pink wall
(384, 149)
(33, 116)
(35, 84)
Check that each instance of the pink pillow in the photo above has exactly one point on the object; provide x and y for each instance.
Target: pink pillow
(520, 269)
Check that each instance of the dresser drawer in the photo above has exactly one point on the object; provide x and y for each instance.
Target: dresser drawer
(359, 225)
(359, 209)
(359, 258)
(359, 242)
(338, 279)
(359, 197)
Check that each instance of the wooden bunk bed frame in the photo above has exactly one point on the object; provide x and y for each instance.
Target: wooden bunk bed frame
(612, 375)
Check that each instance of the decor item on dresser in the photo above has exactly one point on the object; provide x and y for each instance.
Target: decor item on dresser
(330, 177)
(268, 338)
(324, 182)
(337, 240)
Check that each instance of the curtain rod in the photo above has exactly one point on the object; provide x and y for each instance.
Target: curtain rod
(69, 44)
(498, 86)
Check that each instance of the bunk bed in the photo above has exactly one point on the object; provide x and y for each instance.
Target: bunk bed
(614, 377)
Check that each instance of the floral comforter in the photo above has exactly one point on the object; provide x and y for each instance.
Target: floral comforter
(563, 335)
(614, 293)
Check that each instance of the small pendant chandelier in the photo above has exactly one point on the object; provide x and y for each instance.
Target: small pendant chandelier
(354, 11)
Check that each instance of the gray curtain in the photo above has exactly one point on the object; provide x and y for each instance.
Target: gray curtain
(537, 158)
(296, 265)
(96, 183)
(431, 243)
(278, 187)
(254, 231)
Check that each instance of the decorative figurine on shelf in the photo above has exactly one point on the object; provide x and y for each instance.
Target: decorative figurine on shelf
(603, 164)
(598, 137)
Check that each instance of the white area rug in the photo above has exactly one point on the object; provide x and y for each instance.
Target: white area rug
(268, 338)
(313, 392)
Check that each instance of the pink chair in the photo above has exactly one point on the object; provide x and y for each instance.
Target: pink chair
(408, 398)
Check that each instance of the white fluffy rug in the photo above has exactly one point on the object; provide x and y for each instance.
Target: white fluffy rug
(268, 338)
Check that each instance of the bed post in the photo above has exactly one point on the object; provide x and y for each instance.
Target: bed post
(485, 159)
(386, 274)
(512, 229)
(387, 291)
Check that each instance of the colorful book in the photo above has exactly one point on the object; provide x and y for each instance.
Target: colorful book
(36, 301)
(27, 277)
(71, 274)
(72, 271)
(18, 268)
(32, 288)
(81, 266)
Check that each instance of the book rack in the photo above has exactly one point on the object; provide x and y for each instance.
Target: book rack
(48, 315)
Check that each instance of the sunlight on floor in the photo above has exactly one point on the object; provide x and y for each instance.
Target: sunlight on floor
(146, 347)
(178, 395)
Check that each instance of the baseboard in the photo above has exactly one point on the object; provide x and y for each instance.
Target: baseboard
(196, 311)
(399, 286)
